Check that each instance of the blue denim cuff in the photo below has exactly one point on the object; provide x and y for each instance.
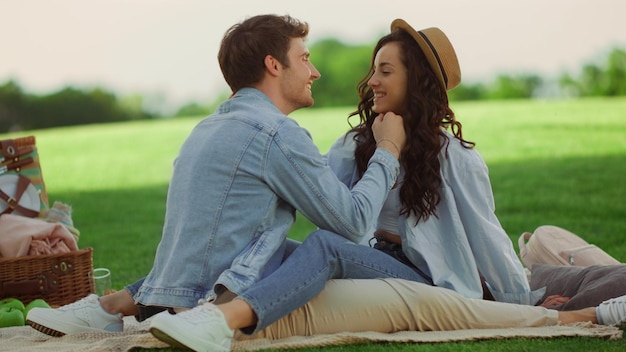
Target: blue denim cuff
(388, 160)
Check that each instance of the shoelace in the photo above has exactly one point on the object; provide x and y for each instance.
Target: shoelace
(81, 302)
(200, 312)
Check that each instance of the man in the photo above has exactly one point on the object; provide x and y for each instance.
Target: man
(237, 182)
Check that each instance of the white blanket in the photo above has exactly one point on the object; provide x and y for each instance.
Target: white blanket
(136, 335)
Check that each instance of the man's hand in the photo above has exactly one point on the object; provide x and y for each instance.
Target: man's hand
(388, 130)
(554, 300)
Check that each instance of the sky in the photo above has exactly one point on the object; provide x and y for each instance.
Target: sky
(167, 49)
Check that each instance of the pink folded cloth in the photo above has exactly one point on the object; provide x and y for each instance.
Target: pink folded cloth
(22, 236)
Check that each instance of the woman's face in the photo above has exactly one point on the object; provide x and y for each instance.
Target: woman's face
(389, 81)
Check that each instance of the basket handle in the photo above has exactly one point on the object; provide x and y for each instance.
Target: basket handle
(45, 284)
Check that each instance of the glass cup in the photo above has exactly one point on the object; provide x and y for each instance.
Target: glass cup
(102, 281)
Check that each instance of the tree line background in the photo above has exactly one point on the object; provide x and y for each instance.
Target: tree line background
(342, 66)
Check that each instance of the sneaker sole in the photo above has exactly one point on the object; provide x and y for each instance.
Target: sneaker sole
(44, 325)
(165, 337)
(44, 329)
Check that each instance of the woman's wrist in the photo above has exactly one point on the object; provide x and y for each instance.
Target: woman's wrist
(390, 145)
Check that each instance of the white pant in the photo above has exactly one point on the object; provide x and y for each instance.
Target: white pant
(391, 305)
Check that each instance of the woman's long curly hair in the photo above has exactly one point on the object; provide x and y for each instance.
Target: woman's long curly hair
(426, 116)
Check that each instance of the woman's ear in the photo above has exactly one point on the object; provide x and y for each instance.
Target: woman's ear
(272, 65)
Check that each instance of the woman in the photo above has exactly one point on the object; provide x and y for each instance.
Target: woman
(441, 215)
(446, 226)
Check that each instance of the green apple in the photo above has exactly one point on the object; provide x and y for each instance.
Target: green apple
(12, 303)
(36, 303)
(10, 316)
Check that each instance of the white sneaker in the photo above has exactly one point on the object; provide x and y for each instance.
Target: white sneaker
(202, 328)
(81, 316)
(612, 312)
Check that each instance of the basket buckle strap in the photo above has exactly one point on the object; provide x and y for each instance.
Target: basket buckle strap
(44, 284)
(62, 267)
(15, 156)
(13, 202)
(10, 150)
(15, 165)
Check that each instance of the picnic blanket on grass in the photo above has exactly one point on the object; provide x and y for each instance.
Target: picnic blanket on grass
(136, 335)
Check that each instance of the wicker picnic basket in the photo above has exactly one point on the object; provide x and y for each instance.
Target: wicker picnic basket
(59, 279)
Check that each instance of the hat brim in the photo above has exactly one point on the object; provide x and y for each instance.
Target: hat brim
(438, 51)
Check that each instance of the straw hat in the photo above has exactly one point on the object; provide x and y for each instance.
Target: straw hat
(438, 51)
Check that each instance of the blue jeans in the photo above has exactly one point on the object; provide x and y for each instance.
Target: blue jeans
(146, 312)
(322, 256)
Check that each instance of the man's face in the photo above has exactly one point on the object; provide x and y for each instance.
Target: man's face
(298, 77)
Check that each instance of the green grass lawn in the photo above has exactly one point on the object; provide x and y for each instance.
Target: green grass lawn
(551, 162)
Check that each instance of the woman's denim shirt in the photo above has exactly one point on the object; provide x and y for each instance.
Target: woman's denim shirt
(237, 182)
(465, 237)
